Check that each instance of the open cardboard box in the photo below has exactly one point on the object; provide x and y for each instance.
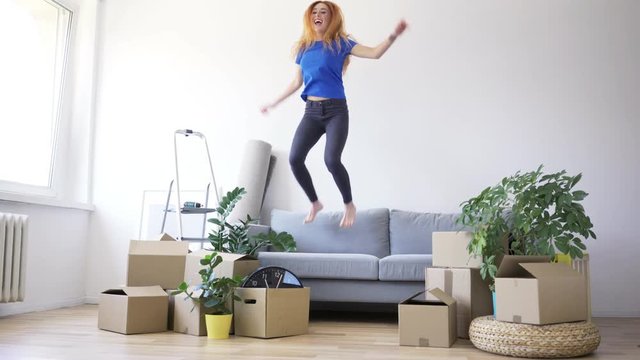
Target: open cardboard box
(532, 290)
(472, 294)
(269, 312)
(134, 310)
(423, 322)
(157, 262)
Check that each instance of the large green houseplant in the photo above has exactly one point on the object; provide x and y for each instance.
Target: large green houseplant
(234, 237)
(214, 293)
(528, 213)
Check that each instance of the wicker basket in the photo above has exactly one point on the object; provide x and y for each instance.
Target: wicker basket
(534, 341)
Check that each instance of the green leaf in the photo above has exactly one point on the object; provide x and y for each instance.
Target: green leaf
(575, 180)
(483, 272)
(182, 287)
(579, 195)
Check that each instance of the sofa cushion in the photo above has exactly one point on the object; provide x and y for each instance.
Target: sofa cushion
(404, 267)
(410, 232)
(324, 266)
(368, 235)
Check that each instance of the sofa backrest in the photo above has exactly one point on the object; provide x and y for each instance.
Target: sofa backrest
(410, 232)
(368, 235)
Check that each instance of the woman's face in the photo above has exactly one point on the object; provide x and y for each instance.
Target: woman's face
(320, 18)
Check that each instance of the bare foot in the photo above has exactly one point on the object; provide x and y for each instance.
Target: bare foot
(316, 206)
(349, 216)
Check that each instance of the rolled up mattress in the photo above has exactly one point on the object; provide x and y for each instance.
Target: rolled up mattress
(254, 169)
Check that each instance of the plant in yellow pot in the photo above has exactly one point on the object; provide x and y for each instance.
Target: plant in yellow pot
(215, 294)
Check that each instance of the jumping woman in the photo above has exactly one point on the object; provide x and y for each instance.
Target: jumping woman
(322, 56)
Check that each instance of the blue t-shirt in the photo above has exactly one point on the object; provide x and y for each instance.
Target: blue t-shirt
(322, 69)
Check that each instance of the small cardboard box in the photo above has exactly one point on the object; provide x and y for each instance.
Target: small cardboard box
(449, 249)
(232, 265)
(423, 322)
(531, 290)
(134, 310)
(188, 317)
(472, 294)
(269, 313)
(156, 262)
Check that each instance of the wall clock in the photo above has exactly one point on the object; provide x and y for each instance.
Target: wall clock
(272, 277)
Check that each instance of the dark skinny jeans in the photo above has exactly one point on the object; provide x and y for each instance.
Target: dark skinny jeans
(329, 117)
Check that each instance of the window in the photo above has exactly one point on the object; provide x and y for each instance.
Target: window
(34, 38)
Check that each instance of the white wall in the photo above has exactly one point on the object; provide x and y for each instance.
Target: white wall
(474, 91)
(56, 263)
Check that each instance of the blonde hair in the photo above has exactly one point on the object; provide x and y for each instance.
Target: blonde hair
(335, 31)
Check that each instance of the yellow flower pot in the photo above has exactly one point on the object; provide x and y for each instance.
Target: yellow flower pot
(218, 326)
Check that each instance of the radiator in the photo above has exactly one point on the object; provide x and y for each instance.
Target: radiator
(13, 244)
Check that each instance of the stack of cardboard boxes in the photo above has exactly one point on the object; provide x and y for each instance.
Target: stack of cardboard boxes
(528, 289)
(142, 306)
(157, 267)
(457, 274)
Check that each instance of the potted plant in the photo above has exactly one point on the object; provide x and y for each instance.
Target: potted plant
(215, 294)
(528, 213)
(234, 238)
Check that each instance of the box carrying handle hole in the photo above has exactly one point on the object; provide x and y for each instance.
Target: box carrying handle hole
(249, 301)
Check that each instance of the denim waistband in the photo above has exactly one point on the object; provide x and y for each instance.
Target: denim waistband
(327, 102)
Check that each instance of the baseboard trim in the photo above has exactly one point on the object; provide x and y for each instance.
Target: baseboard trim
(7, 309)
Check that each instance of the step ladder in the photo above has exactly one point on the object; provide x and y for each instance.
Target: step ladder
(190, 210)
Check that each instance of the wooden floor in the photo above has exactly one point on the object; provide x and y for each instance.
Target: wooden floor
(72, 333)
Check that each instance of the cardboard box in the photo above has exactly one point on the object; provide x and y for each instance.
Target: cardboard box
(156, 262)
(269, 313)
(466, 286)
(232, 265)
(188, 317)
(531, 290)
(134, 310)
(423, 322)
(449, 249)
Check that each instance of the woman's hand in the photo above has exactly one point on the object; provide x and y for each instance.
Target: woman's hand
(400, 28)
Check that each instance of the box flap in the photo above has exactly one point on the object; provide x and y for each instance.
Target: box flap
(165, 237)
(547, 270)
(141, 291)
(442, 296)
(236, 257)
(144, 247)
(510, 265)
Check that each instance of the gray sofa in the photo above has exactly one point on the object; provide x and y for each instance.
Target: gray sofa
(381, 259)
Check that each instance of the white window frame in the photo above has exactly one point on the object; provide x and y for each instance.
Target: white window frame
(15, 191)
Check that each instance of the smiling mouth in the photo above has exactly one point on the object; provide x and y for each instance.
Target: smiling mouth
(317, 22)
